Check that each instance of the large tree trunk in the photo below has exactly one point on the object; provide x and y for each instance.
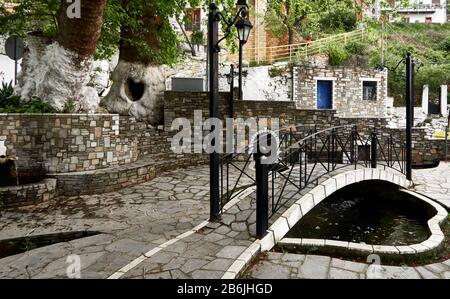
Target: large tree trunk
(290, 36)
(138, 82)
(59, 71)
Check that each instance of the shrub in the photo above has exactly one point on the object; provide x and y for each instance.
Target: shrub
(445, 44)
(12, 104)
(337, 54)
(356, 48)
(340, 19)
(277, 71)
(198, 37)
(5, 92)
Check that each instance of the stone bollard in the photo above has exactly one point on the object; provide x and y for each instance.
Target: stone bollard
(425, 99)
(444, 94)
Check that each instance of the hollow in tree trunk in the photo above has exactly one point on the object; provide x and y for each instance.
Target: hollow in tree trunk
(138, 82)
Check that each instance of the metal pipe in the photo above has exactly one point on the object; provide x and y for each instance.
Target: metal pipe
(241, 46)
(374, 149)
(262, 194)
(413, 95)
(214, 165)
(409, 114)
(15, 61)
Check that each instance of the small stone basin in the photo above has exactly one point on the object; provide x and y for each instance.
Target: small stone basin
(373, 213)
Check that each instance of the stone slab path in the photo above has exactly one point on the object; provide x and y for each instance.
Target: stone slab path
(132, 221)
(153, 230)
(298, 266)
(434, 183)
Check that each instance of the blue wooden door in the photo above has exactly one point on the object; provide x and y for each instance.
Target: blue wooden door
(324, 94)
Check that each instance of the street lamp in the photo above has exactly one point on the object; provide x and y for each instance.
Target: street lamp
(244, 27)
(214, 18)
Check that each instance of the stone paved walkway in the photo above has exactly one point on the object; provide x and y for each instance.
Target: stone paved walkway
(434, 183)
(292, 266)
(132, 221)
(153, 230)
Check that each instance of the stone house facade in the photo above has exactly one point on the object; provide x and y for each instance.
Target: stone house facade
(351, 92)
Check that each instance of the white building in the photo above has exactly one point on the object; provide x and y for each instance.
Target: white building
(418, 11)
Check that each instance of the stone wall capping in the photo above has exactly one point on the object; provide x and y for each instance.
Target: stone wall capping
(406, 250)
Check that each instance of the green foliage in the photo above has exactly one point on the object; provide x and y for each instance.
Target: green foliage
(310, 18)
(356, 47)
(445, 44)
(12, 104)
(6, 91)
(40, 17)
(277, 71)
(69, 106)
(341, 19)
(35, 105)
(337, 54)
(428, 45)
(31, 16)
(288, 15)
(198, 37)
(312, 250)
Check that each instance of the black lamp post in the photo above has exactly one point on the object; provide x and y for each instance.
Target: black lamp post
(409, 113)
(215, 16)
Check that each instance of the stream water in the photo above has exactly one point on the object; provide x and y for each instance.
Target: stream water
(374, 213)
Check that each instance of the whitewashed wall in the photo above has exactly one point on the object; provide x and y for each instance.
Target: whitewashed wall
(6, 64)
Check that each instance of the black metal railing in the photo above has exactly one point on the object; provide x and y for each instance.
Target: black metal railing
(237, 170)
(314, 157)
(305, 157)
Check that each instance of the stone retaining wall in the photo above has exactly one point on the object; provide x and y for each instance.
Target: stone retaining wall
(27, 194)
(183, 105)
(66, 142)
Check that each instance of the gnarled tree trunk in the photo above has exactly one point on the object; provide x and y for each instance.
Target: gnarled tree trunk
(58, 71)
(138, 82)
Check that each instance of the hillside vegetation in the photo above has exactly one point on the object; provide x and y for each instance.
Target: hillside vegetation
(428, 43)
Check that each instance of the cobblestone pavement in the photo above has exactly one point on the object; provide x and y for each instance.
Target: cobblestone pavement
(434, 183)
(209, 252)
(132, 221)
(147, 232)
(292, 266)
